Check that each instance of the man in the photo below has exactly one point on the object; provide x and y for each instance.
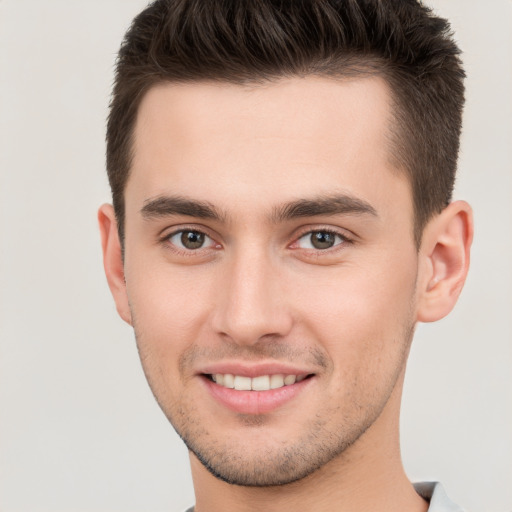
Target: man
(281, 176)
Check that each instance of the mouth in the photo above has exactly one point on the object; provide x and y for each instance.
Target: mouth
(259, 393)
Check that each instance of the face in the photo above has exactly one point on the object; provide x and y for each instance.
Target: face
(270, 269)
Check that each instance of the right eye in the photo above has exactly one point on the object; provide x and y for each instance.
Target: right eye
(190, 240)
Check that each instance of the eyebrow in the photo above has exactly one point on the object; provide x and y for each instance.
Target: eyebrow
(165, 206)
(339, 204)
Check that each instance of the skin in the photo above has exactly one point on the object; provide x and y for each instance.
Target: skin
(258, 292)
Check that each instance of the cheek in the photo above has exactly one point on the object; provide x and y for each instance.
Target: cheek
(169, 310)
(363, 314)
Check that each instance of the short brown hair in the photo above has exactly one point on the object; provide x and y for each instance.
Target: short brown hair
(251, 41)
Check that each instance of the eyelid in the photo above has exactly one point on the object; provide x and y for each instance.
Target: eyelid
(168, 231)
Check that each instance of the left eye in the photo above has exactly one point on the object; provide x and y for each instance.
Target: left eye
(190, 240)
(319, 240)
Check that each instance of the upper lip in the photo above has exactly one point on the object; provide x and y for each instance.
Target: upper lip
(246, 369)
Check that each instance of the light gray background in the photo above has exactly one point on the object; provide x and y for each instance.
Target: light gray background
(79, 429)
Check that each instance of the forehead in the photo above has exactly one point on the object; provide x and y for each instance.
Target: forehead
(278, 141)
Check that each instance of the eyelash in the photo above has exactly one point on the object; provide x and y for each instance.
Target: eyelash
(343, 240)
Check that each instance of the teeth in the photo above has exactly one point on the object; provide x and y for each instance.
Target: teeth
(260, 383)
(276, 381)
(289, 379)
(229, 381)
(242, 383)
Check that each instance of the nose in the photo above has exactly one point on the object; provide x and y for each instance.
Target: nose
(251, 304)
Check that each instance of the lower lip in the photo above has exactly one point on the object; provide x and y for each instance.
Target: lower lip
(256, 402)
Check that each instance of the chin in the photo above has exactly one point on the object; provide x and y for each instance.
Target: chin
(260, 463)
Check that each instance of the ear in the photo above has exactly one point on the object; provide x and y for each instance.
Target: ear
(444, 255)
(113, 260)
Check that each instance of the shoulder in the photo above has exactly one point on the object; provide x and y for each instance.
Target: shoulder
(434, 493)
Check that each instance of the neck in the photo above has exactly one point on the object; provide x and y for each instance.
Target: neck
(368, 476)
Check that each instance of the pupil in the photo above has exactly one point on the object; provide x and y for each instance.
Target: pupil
(192, 239)
(322, 240)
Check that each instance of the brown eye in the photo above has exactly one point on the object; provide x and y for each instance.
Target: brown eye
(320, 240)
(190, 239)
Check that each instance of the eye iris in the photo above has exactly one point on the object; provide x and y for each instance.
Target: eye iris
(192, 239)
(322, 239)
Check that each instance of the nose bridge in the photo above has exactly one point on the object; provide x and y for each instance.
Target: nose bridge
(252, 304)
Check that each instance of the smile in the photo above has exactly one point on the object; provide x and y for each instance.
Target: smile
(258, 383)
(259, 393)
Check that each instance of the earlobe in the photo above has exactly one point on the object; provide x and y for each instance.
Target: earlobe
(445, 254)
(113, 260)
